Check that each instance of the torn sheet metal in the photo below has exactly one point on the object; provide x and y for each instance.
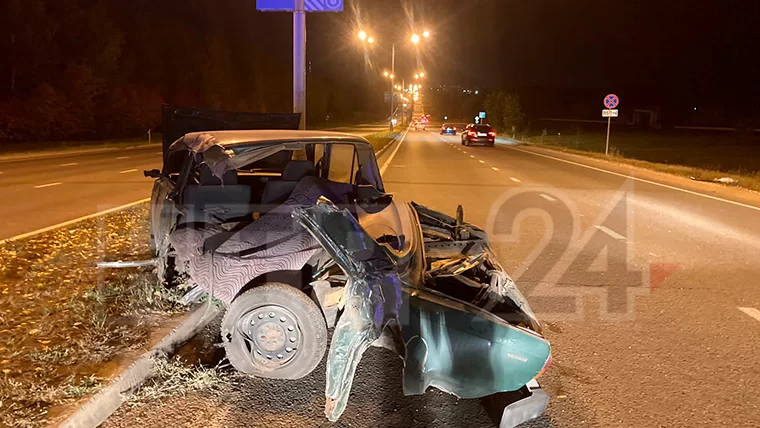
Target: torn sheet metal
(373, 292)
(466, 351)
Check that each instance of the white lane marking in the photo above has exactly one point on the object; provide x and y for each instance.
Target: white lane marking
(69, 164)
(547, 197)
(653, 254)
(1, 172)
(494, 168)
(464, 151)
(127, 170)
(754, 313)
(57, 183)
(482, 161)
(611, 232)
(70, 222)
(393, 154)
(472, 156)
(122, 157)
(516, 180)
(654, 183)
(159, 153)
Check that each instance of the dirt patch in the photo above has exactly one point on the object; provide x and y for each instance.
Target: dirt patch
(61, 318)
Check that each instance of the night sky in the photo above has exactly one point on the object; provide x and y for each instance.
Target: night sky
(702, 48)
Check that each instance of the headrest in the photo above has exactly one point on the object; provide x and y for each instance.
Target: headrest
(298, 169)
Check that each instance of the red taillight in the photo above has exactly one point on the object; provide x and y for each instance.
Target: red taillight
(455, 128)
(492, 133)
(472, 133)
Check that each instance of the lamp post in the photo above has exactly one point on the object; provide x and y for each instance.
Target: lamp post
(415, 39)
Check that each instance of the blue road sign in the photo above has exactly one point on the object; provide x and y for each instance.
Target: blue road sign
(482, 115)
(611, 101)
(309, 5)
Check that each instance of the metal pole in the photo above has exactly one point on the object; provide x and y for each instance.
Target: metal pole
(607, 147)
(393, 76)
(299, 62)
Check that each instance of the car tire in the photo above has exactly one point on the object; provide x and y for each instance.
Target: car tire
(287, 334)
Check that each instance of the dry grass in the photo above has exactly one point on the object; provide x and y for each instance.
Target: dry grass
(174, 377)
(61, 318)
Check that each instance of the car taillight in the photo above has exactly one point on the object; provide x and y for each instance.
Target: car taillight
(492, 134)
(472, 133)
(455, 128)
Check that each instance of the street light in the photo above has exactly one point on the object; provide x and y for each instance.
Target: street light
(426, 34)
(371, 40)
(416, 76)
(362, 35)
(415, 38)
(386, 74)
(422, 74)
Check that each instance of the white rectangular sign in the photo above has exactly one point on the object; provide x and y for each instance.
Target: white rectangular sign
(609, 113)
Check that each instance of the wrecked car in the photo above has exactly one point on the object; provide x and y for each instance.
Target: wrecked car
(293, 231)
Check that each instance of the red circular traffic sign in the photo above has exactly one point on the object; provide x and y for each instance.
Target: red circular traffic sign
(611, 101)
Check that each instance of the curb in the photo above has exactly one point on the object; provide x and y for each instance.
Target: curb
(106, 402)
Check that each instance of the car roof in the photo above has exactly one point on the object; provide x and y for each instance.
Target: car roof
(231, 139)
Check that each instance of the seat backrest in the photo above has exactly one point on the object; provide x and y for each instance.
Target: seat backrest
(277, 192)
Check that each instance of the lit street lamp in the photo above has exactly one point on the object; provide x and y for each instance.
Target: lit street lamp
(363, 36)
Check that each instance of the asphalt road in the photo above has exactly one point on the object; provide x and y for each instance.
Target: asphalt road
(647, 288)
(40, 192)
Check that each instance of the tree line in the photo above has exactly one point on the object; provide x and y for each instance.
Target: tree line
(86, 69)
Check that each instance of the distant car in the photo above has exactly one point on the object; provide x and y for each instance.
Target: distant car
(448, 129)
(478, 134)
(420, 125)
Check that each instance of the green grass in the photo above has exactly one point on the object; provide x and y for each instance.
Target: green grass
(382, 139)
(702, 156)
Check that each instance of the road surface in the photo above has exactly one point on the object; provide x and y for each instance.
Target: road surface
(40, 192)
(647, 287)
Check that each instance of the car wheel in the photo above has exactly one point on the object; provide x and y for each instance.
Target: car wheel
(274, 331)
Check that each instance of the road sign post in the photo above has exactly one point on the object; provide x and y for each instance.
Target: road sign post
(610, 101)
(299, 9)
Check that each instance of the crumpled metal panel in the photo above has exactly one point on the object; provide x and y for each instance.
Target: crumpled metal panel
(463, 350)
(373, 293)
(452, 345)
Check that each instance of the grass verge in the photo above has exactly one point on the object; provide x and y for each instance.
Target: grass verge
(747, 178)
(382, 139)
(62, 319)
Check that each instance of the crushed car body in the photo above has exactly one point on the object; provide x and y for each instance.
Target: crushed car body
(293, 231)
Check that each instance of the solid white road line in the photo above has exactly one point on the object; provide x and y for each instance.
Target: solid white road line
(516, 180)
(494, 168)
(548, 198)
(654, 183)
(754, 313)
(41, 186)
(69, 164)
(393, 154)
(127, 170)
(70, 222)
(611, 232)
